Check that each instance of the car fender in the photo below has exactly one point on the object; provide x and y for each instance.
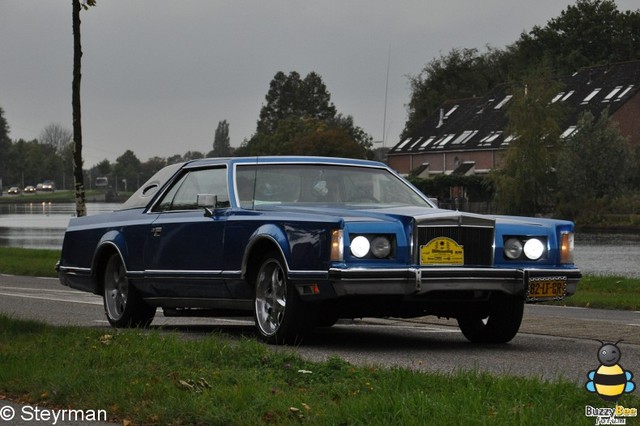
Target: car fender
(274, 236)
(109, 241)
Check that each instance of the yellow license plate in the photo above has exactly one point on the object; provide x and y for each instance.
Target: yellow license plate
(442, 251)
(547, 288)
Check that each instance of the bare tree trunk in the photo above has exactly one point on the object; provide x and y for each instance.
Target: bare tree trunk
(81, 208)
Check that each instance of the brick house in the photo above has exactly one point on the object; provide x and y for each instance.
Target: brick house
(467, 136)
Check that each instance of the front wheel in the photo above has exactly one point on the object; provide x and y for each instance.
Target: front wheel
(499, 326)
(278, 311)
(122, 304)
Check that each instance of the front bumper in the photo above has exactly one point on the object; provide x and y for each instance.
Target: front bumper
(419, 281)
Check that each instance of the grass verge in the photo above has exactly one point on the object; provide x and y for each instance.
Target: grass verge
(606, 292)
(152, 377)
(29, 262)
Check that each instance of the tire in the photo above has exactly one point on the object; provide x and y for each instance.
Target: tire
(122, 304)
(500, 326)
(278, 311)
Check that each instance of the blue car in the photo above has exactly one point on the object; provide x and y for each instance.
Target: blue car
(301, 242)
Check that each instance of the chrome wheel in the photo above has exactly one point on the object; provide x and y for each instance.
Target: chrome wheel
(122, 303)
(271, 297)
(116, 289)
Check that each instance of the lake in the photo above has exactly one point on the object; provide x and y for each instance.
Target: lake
(42, 225)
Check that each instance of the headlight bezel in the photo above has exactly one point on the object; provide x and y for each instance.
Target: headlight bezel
(529, 248)
(378, 246)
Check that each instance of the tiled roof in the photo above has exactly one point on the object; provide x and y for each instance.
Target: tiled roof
(479, 123)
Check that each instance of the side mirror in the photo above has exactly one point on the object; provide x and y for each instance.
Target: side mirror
(208, 202)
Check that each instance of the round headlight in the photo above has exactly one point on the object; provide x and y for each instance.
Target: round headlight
(381, 247)
(512, 248)
(360, 246)
(533, 249)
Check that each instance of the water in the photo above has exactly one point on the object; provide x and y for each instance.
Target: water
(42, 225)
(608, 254)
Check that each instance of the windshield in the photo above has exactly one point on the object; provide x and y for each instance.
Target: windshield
(309, 184)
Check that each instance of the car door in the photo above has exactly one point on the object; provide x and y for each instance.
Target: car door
(183, 253)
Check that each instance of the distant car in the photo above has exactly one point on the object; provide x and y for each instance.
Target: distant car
(29, 189)
(300, 242)
(48, 185)
(14, 190)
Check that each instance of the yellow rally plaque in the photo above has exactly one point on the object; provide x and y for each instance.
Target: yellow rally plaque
(442, 251)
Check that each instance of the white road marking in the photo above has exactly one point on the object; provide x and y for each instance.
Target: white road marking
(53, 295)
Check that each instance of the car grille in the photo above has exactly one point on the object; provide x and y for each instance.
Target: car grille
(477, 241)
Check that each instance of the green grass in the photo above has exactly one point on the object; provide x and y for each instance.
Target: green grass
(606, 292)
(31, 262)
(154, 377)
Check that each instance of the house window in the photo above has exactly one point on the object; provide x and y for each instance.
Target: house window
(464, 137)
(414, 145)
(406, 141)
(591, 95)
(426, 143)
(443, 141)
(570, 131)
(611, 94)
(503, 102)
(451, 111)
(621, 95)
(490, 138)
(508, 140)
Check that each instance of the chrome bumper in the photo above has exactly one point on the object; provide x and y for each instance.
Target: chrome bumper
(417, 281)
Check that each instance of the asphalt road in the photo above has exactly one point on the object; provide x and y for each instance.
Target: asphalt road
(554, 342)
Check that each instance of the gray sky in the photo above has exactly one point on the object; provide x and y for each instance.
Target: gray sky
(158, 75)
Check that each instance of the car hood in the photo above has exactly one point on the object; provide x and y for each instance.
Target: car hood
(407, 214)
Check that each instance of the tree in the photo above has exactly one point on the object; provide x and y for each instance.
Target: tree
(299, 118)
(305, 136)
(591, 32)
(56, 136)
(291, 96)
(595, 162)
(127, 169)
(526, 182)
(5, 146)
(103, 168)
(221, 144)
(81, 208)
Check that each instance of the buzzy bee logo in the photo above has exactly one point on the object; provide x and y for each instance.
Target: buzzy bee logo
(610, 381)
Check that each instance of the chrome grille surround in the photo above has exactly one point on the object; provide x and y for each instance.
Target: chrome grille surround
(474, 233)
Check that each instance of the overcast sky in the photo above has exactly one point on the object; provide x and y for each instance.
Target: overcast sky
(158, 75)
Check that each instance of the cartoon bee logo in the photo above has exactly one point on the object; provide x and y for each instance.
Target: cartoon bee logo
(610, 380)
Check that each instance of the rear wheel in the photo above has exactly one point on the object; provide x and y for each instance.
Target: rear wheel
(499, 326)
(122, 304)
(278, 310)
